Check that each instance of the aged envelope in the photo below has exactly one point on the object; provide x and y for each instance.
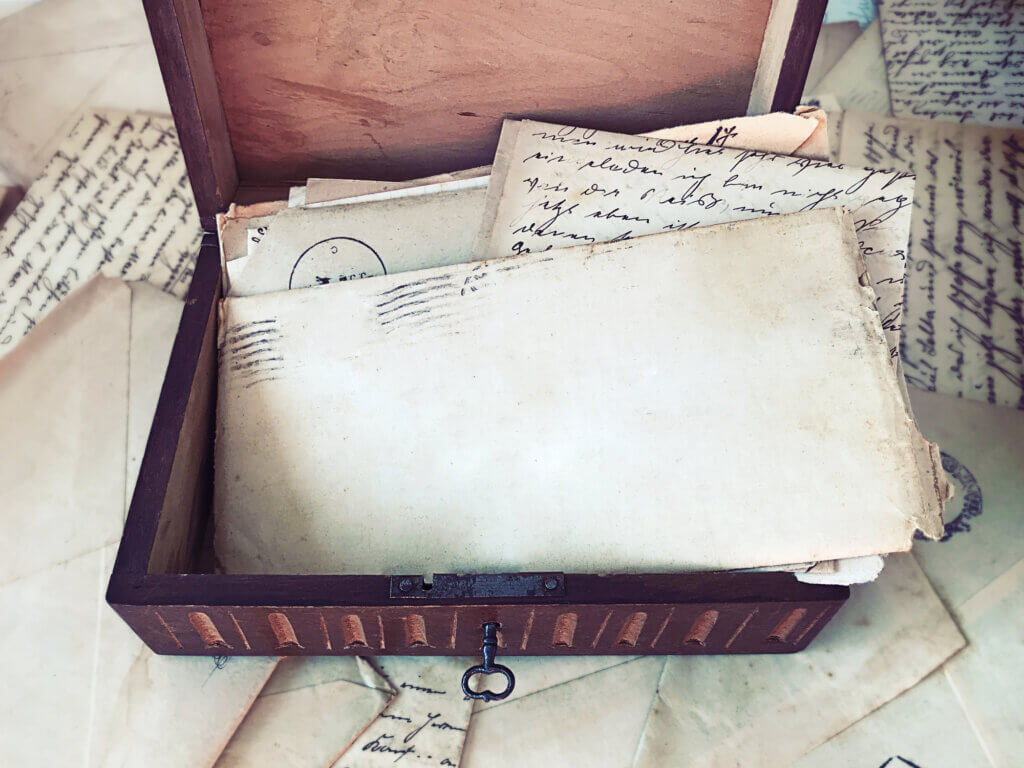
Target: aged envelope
(963, 327)
(925, 726)
(770, 710)
(555, 186)
(68, 658)
(482, 353)
(304, 248)
(955, 61)
(308, 714)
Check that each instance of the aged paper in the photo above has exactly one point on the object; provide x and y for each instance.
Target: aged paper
(833, 41)
(310, 711)
(858, 80)
(541, 673)
(311, 247)
(67, 657)
(983, 451)
(923, 727)
(63, 404)
(963, 324)
(555, 186)
(593, 720)
(114, 198)
(955, 61)
(978, 566)
(988, 675)
(721, 710)
(426, 722)
(556, 369)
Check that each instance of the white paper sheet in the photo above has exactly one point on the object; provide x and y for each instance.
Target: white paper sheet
(67, 658)
(555, 186)
(771, 710)
(593, 721)
(963, 327)
(114, 198)
(63, 404)
(833, 41)
(439, 393)
(308, 714)
(858, 80)
(955, 61)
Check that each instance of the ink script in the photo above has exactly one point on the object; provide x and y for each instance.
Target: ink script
(114, 198)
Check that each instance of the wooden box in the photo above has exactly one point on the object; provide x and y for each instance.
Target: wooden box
(266, 94)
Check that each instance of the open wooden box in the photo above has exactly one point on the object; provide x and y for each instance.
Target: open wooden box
(266, 94)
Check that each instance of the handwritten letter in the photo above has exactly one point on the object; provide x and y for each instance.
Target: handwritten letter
(425, 724)
(964, 329)
(114, 198)
(954, 60)
(556, 186)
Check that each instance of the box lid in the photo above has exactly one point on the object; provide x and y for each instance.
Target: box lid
(266, 93)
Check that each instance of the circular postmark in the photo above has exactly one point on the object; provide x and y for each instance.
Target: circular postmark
(335, 260)
(967, 501)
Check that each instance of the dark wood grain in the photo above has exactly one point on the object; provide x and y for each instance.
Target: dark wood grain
(799, 51)
(179, 38)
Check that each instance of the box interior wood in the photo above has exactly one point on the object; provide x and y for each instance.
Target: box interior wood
(265, 93)
(405, 89)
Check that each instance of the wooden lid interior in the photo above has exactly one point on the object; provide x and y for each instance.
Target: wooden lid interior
(397, 89)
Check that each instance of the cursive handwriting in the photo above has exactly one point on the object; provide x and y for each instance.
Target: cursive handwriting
(964, 302)
(659, 185)
(115, 197)
(954, 60)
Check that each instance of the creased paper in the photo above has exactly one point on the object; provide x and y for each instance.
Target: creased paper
(770, 710)
(575, 373)
(593, 721)
(67, 657)
(63, 406)
(426, 722)
(555, 186)
(963, 321)
(114, 198)
(308, 714)
(858, 79)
